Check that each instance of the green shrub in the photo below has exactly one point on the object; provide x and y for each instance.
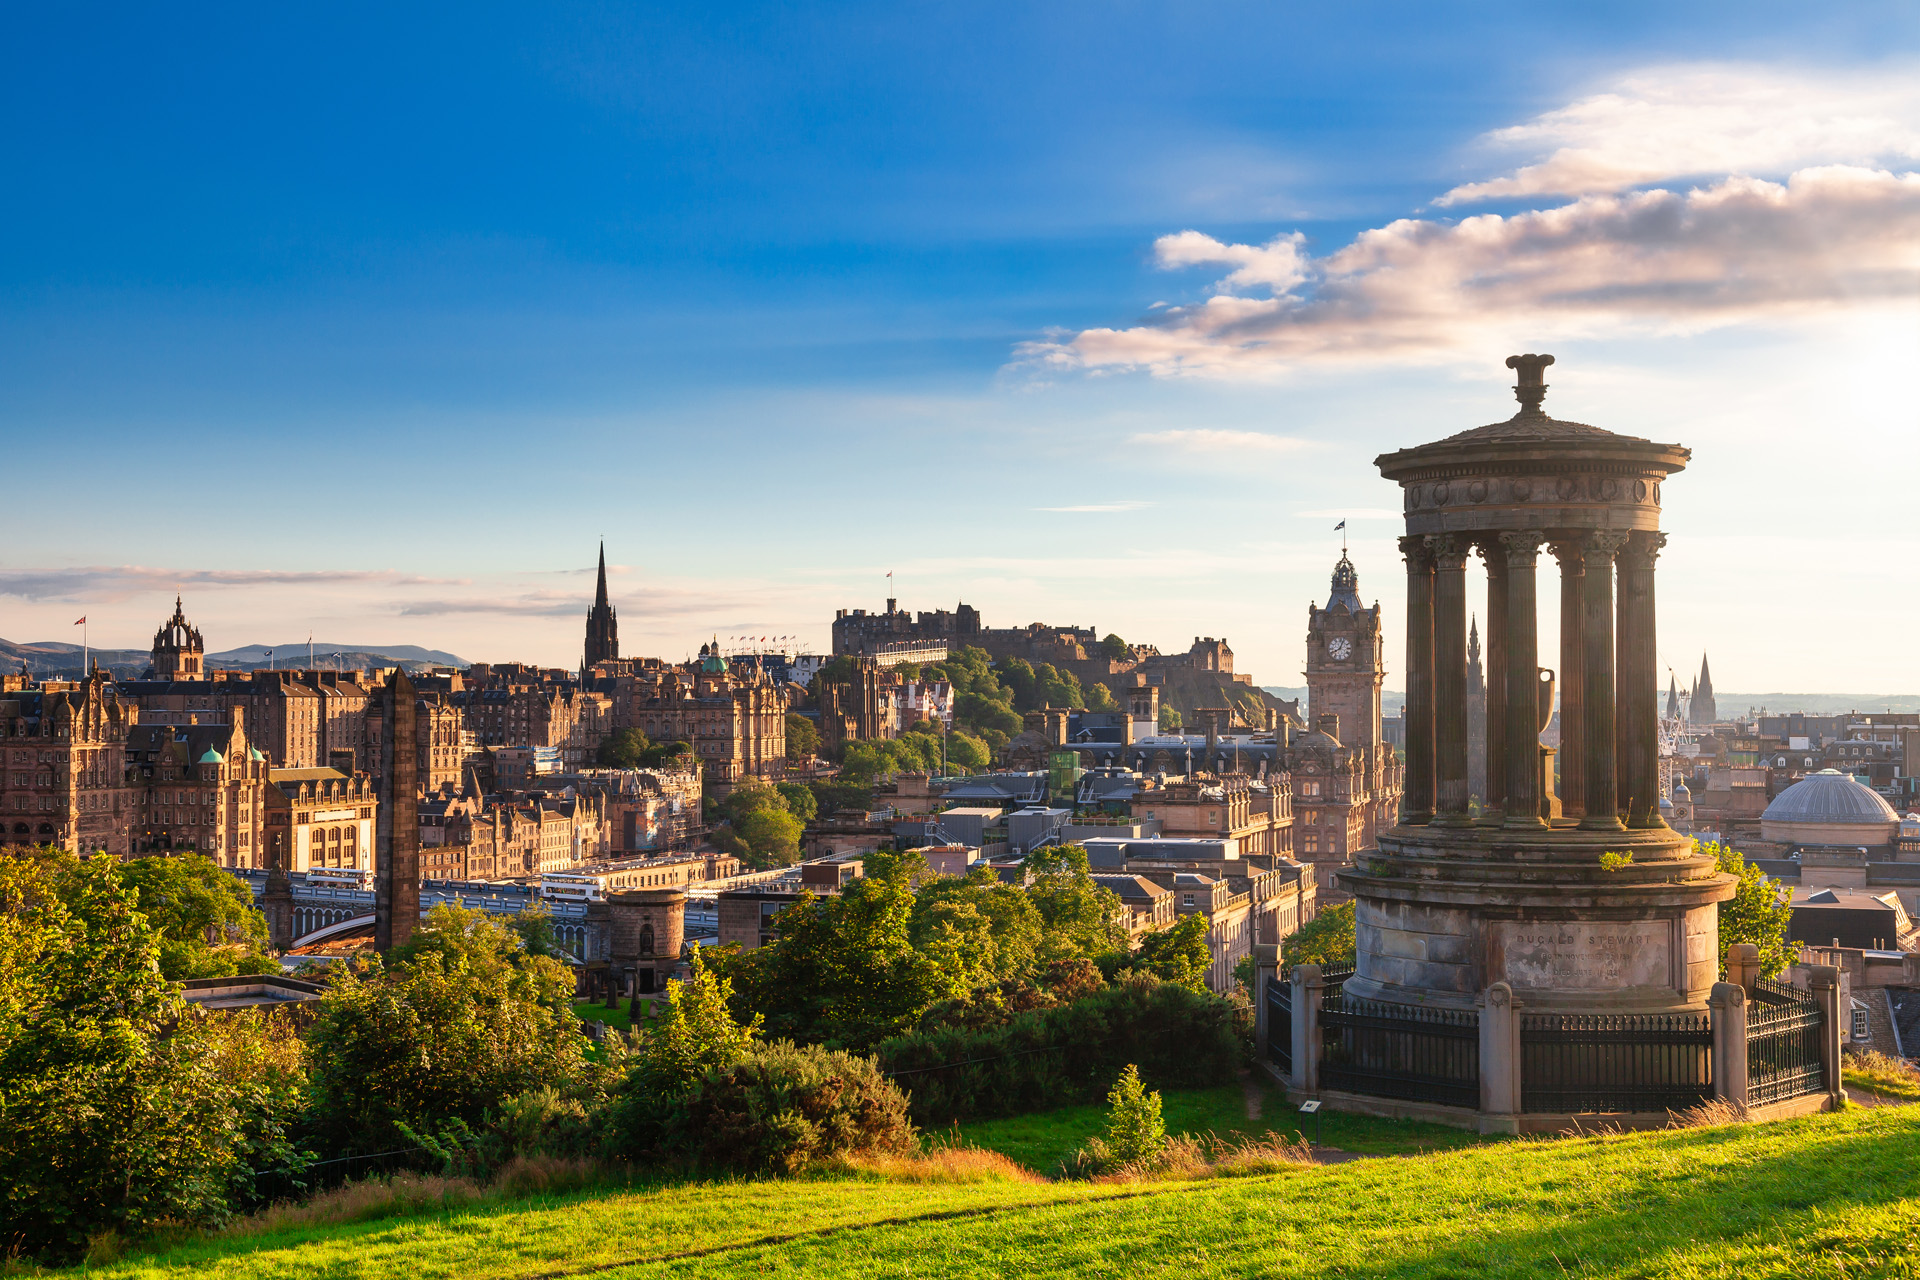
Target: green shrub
(780, 1107)
(1136, 1130)
(1051, 1057)
(1325, 940)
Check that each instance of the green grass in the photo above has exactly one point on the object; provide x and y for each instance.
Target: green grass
(614, 1015)
(1825, 1196)
(1882, 1076)
(1041, 1141)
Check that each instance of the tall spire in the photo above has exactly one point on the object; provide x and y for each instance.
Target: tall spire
(603, 632)
(1702, 710)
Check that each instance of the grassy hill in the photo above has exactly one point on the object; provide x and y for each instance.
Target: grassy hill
(1826, 1196)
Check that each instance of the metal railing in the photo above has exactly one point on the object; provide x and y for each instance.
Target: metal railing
(1400, 1051)
(1581, 1062)
(1784, 1060)
(1280, 1025)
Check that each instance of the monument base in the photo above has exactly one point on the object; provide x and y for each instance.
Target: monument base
(1574, 921)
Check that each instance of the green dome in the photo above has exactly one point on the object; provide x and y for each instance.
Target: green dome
(211, 757)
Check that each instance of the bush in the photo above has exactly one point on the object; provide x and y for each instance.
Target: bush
(781, 1107)
(436, 1043)
(1048, 1058)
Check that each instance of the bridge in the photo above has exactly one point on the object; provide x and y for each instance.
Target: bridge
(321, 912)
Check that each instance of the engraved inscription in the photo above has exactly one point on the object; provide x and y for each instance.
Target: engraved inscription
(1583, 955)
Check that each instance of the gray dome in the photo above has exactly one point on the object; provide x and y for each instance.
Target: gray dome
(1829, 796)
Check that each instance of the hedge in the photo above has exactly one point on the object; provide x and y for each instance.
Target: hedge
(1072, 1053)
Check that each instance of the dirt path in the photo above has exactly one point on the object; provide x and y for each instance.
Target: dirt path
(1251, 1091)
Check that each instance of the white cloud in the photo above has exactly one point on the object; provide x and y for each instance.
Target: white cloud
(119, 582)
(1653, 261)
(1280, 264)
(1698, 121)
(1099, 507)
(1214, 440)
(1354, 513)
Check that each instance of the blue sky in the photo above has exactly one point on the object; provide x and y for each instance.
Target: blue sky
(372, 323)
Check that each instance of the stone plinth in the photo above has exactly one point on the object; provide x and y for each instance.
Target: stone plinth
(1442, 915)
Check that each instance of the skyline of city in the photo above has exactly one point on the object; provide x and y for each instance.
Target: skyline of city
(1106, 331)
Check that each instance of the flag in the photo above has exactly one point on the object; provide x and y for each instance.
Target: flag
(889, 573)
(1337, 528)
(79, 622)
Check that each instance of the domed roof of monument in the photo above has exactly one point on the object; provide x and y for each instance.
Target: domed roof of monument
(1829, 796)
(1531, 430)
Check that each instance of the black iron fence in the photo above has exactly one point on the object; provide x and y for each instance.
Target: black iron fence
(1784, 1027)
(1399, 1051)
(1580, 1062)
(1280, 1024)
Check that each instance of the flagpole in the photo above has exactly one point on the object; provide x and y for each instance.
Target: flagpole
(86, 650)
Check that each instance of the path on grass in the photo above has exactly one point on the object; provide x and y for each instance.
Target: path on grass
(1256, 1101)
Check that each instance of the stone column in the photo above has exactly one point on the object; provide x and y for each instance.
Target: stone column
(1494, 552)
(1449, 678)
(1727, 1012)
(1499, 1051)
(1417, 805)
(1637, 693)
(1823, 981)
(1602, 780)
(1523, 702)
(1573, 683)
(397, 870)
(1307, 989)
(1266, 962)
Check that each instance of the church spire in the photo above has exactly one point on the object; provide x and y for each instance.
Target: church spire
(603, 632)
(1702, 710)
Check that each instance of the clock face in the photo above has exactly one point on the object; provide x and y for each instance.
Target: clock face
(1340, 648)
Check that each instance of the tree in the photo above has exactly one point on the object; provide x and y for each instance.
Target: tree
(204, 916)
(120, 1107)
(799, 800)
(623, 749)
(1136, 1128)
(803, 740)
(1759, 912)
(1179, 953)
(772, 837)
(1325, 940)
(1079, 919)
(1114, 647)
(967, 751)
(1100, 698)
(696, 1034)
(461, 1020)
(1170, 720)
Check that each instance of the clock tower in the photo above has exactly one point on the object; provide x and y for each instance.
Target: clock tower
(1346, 664)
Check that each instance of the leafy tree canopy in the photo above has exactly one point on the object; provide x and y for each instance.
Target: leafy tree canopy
(204, 916)
(1100, 698)
(1112, 646)
(1325, 940)
(1178, 953)
(1759, 912)
(803, 739)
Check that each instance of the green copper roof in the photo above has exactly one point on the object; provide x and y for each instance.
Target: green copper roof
(211, 757)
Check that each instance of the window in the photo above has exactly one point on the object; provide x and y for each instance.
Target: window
(1186, 900)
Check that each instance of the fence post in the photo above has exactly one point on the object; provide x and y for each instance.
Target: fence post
(1499, 1051)
(1266, 957)
(1727, 1003)
(1307, 986)
(1823, 980)
(1743, 965)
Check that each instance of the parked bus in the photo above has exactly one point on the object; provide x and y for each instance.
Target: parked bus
(340, 878)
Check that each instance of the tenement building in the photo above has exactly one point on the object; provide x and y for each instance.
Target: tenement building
(318, 818)
(63, 764)
(732, 715)
(200, 787)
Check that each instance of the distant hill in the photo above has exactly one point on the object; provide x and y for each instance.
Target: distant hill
(51, 659)
(1729, 704)
(1391, 700)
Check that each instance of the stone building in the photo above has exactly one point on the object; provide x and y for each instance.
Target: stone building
(634, 941)
(63, 776)
(319, 818)
(1256, 816)
(446, 747)
(732, 715)
(198, 787)
(1702, 710)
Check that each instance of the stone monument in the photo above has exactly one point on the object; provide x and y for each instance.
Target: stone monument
(396, 886)
(1585, 901)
